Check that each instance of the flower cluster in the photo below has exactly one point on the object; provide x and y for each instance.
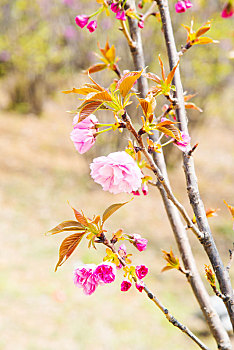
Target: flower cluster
(183, 5)
(140, 272)
(83, 134)
(90, 276)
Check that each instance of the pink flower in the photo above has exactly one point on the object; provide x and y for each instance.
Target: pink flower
(141, 24)
(139, 242)
(85, 278)
(182, 145)
(188, 4)
(145, 189)
(83, 133)
(105, 273)
(180, 6)
(125, 285)
(116, 173)
(140, 286)
(114, 7)
(141, 271)
(82, 20)
(92, 26)
(120, 15)
(227, 10)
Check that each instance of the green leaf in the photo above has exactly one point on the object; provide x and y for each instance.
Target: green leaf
(110, 210)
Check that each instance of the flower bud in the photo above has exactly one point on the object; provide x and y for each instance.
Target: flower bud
(82, 20)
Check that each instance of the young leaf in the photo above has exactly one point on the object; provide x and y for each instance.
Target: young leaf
(168, 128)
(210, 276)
(96, 68)
(125, 84)
(68, 246)
(66, 226)
(89, 108)
(80, 218)
(110, 210)
(152, 77)
(81, 91)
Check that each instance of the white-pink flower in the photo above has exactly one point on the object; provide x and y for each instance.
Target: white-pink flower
(83, 133)
(116, 173)
(183, 145)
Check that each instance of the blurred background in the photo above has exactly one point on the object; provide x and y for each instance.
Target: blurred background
(43, 52)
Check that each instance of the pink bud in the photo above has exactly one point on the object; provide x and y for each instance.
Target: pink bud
(139, 242)
(82, 20)
(136, 193)
(122, 249)
(145, 189)
(125, 285)
(180, 6)
(141, 24)
(114, 7)
(141, 271)
(227, 10)
(188, 4)
(140, 5)
(121, 15)
(140, 286)
(92, 26)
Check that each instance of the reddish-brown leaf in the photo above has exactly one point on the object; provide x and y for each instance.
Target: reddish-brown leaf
(168, 128)
(167, 268)
(153, 77)
(191, 105)
(96, 68)
(162, 68)
(202, 30)
(80, 218)
(68, 246)
(66, 226)
(125, 84)
(81, 91)
(88, 108)
(171, 74)
(110, 210)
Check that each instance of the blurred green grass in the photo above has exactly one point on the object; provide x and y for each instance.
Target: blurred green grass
(42, 310)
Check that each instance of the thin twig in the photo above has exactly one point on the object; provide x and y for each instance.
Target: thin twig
(157, 302)
(127, 35)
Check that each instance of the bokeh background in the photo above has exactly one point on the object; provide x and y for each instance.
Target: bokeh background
(42, 52)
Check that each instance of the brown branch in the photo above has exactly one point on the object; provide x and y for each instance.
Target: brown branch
(231, 258)
(192, 186)
(157, 302)
(178, 228)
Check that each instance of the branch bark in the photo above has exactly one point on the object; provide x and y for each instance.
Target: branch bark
(177, 226)
(189, 169)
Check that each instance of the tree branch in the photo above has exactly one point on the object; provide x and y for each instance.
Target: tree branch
(192, 186)
(178, 228)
